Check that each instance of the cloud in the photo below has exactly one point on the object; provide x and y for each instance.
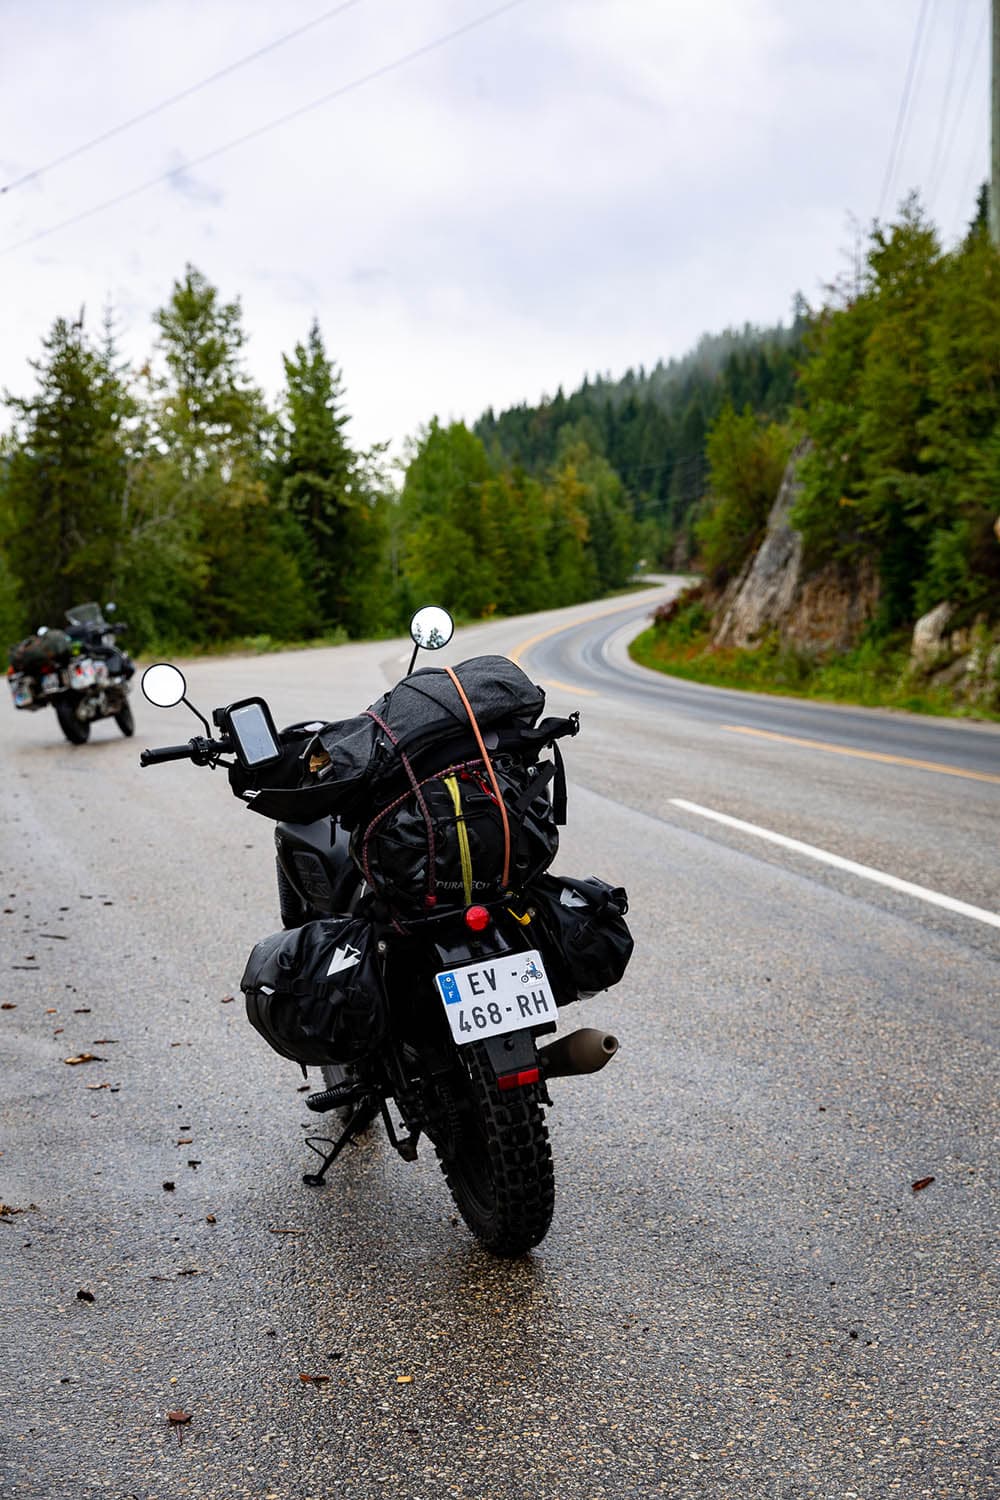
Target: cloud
(579, 185)
(180, 180)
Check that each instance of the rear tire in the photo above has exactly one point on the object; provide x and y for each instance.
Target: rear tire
(76, 730)
(125, 721)
(499, 1168)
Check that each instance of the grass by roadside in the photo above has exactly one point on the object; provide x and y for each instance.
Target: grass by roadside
(871, 676)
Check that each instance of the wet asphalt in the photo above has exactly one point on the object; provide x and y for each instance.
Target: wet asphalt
(742, 1294)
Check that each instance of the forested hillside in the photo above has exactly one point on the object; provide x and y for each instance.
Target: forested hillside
(897, 490)
(652, 426)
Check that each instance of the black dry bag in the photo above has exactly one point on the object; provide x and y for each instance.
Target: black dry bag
(586, 943)
(315, 992)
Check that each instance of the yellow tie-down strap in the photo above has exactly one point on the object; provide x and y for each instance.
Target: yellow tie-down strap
(465, 854)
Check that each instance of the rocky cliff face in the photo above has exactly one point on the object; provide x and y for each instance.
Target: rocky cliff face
(823, 610)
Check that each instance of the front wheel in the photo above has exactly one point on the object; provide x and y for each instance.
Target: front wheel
(125, 721)
(76, 730)
(498, 1165)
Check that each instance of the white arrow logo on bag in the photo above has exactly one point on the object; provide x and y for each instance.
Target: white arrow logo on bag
(343, 958)
(570, 897)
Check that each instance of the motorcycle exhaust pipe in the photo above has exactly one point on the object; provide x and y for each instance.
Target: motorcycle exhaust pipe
(583, 1051)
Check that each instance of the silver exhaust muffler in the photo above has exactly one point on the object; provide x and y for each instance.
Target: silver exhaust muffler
(583, 1051)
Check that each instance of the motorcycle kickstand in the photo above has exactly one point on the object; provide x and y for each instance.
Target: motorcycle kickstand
(357, 1122)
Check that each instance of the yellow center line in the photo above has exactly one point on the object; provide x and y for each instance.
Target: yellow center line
(891, 760)
(568, 624)
(568, 687)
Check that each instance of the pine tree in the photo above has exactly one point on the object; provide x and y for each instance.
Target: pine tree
(336, 496)
(215, 432)
(63, 482)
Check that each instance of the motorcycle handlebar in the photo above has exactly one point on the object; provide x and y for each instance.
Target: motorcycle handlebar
(166, 752)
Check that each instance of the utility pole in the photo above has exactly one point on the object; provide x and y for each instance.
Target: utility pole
(995, 134)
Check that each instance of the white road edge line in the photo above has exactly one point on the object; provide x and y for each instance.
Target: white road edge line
(935, 898)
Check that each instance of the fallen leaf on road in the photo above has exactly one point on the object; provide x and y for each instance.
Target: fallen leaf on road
(95, 1086)
(177, 1420)
(186, 1140)
(105, 1041)
(314, 1379)
(286, 1231)
(921, 1183)
(82, 1058)
(209, 1218)
(404, 1379)
(168, 1187)
(82, 1010)
(84, 1296)
(227, 999)
(8, 1005)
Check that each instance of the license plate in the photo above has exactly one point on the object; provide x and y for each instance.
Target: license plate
(506, 993)
(50, 682)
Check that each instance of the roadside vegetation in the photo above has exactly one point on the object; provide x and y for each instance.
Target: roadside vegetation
(872, 674)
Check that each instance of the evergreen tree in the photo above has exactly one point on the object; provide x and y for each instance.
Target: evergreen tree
(63, 481)
(214, 430)
(333, 493)
(451, 544)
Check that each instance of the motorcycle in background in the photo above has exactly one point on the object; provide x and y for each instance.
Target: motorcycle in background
(81, 671)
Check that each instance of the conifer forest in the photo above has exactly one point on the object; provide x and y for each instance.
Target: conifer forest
(212, 516)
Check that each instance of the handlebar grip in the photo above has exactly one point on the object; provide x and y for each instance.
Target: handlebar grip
(165, 752)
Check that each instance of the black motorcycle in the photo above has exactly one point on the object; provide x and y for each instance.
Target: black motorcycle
(411, 968)
(81, 671)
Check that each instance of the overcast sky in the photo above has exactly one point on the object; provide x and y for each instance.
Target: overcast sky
(573, 186)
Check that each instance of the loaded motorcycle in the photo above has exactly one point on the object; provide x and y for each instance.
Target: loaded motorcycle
(424, 952)
(81, 671)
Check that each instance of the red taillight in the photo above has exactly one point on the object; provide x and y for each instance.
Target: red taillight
(518, 1080)
(476, 918)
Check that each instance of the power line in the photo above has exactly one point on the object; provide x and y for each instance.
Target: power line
(904, 105)
(260, 130)
(959, 114)
(193, 88)
(961, 11)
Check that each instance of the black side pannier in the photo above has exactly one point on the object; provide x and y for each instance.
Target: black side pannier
(586, 942)
(41, 653)
(443, 844)
(315, 992)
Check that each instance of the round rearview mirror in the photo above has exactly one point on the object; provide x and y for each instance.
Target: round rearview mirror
(431, 627)
(111, 608)
(163, 684)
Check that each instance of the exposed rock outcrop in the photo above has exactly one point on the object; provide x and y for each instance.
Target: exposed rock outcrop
(825, 609)
(929, 637)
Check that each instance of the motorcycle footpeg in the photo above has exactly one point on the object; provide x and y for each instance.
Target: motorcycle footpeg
(333, 1099)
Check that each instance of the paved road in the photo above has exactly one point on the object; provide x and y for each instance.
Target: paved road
(741, 1294)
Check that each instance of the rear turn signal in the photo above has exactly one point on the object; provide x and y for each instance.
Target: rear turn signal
(476, 918)
(518, 1080)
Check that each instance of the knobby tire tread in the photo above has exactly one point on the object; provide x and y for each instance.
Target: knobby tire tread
(518, 1163)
